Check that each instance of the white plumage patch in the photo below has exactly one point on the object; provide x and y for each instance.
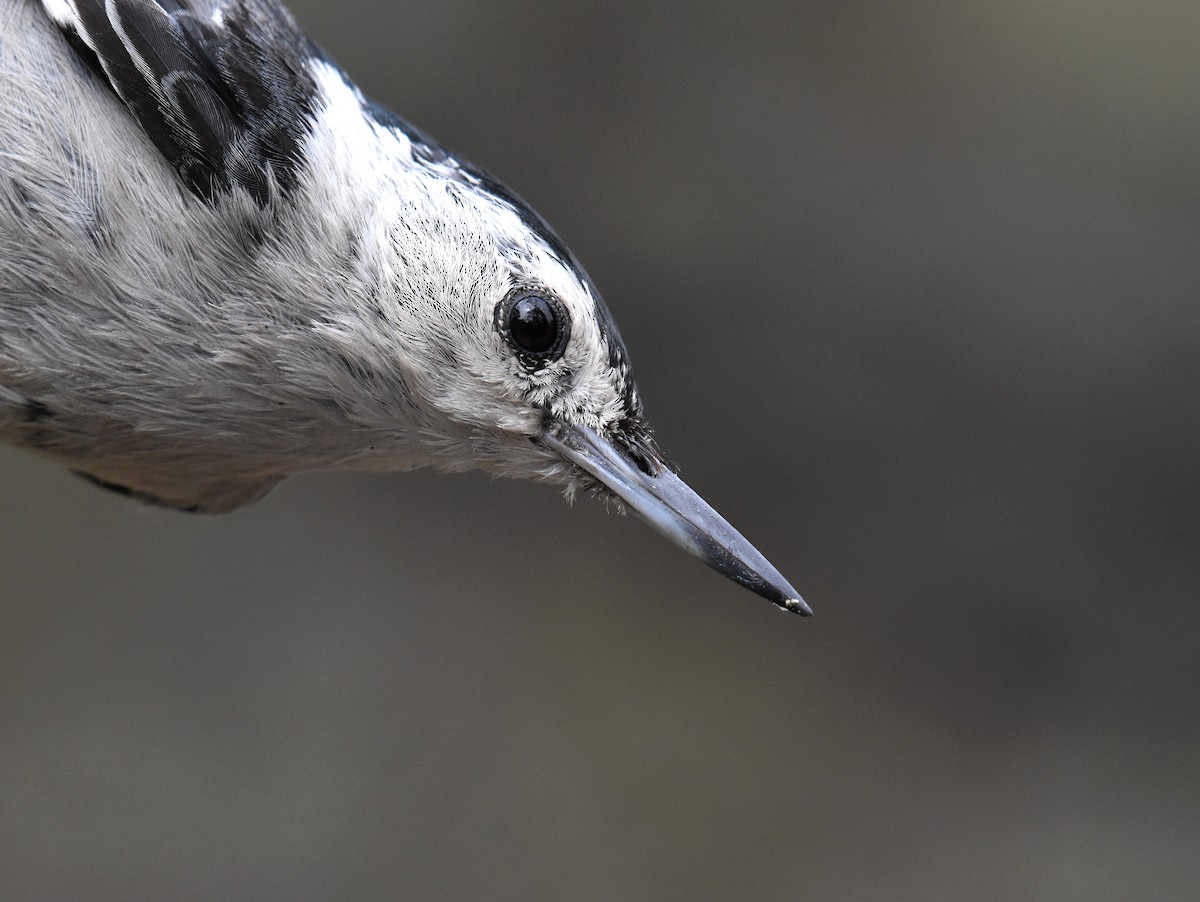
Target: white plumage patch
(346, 138)
(474, 248)
(62, 12)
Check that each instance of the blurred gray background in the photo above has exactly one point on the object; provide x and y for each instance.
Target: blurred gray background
(911, 290)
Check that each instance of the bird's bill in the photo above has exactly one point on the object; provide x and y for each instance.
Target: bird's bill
(671, 507)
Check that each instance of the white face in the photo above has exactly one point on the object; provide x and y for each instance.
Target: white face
(497, 326)
(477, 316)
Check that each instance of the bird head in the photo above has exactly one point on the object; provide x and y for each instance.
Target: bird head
(513, 363)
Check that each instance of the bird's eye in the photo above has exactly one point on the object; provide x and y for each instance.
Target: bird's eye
(536, 325)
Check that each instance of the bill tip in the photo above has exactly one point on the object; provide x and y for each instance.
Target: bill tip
(797, 606)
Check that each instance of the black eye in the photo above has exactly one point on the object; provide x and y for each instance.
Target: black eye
(536, 325)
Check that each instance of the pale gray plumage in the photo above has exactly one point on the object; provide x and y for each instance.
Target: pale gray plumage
(215, 273)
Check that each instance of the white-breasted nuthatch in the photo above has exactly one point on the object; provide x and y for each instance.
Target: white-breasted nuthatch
(220, 264)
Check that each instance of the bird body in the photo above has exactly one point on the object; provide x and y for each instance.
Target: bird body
(221, 264)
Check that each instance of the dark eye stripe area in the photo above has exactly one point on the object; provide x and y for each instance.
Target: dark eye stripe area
(536, 326)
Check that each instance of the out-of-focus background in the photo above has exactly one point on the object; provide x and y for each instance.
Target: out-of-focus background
(911, 290)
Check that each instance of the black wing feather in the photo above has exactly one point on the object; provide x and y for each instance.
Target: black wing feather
(226, 104)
